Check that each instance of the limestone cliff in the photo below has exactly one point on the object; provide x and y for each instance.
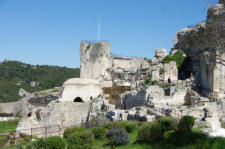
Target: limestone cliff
(204, 44)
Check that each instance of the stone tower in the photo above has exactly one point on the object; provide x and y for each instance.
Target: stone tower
(95, 59)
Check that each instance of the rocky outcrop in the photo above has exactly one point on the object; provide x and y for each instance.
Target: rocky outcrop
(204, 44)
(160, 54)
(23, 93)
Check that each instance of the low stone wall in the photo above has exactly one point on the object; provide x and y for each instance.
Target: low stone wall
(13, 107)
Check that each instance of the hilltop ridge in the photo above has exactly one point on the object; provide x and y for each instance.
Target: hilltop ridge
(15, 75)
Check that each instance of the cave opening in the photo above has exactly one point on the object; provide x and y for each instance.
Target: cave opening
(186, 69)
(78, 99)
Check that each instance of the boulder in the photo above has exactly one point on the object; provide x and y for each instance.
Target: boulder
(23, 93)
(191, 97)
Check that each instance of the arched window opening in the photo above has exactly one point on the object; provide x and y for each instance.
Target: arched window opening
(78, 99)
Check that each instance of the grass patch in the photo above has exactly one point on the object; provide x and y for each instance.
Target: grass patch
(3, 140)
(10, 125)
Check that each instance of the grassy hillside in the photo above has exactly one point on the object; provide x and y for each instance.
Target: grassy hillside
(15, 75)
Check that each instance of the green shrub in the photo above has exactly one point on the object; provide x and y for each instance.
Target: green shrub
(98, 132)
(125, 125)
(55, 142)
(69, 131)
(177, 57)
(39, 144)
(115, 125)
(81, 140)
(19, 146)
(143, 134)
(130, 127)
(167, 123)
(28, 146)
(219, 143)
(185, 124)
(156, 133)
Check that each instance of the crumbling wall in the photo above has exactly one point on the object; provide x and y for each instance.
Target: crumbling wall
(170, 72)
(95, 59)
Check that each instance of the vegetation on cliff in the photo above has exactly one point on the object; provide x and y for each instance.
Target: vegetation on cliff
(15, 75)
(178, 57)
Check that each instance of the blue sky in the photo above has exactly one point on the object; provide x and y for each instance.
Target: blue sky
(50, 31)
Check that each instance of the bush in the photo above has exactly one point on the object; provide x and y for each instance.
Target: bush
(117, 137)
(114, 125)
(39, 144)
(143, 134)
(185, 124)
(130, 127)
(126, 125)
(81, 140)
(19, 146)
(55, 142)
(177, 57)
(28, 146)
(167, 123)
(69, 131)
(98, 132)
(156, 133)
(219, 143)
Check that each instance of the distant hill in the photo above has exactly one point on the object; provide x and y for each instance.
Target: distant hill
(15, 75)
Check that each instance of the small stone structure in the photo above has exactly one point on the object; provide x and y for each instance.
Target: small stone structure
(163, 72)
(170, 72)
(84, 89)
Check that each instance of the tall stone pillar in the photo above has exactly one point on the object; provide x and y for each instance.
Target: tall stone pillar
(95, 59)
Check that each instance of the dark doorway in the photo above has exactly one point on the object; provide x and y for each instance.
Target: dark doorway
(78, 99)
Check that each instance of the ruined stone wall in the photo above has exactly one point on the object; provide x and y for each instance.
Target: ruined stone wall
(170, 72)
(14, 107)
(95, 59)
(127, 62)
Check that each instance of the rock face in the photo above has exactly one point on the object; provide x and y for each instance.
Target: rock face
(204, 44)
